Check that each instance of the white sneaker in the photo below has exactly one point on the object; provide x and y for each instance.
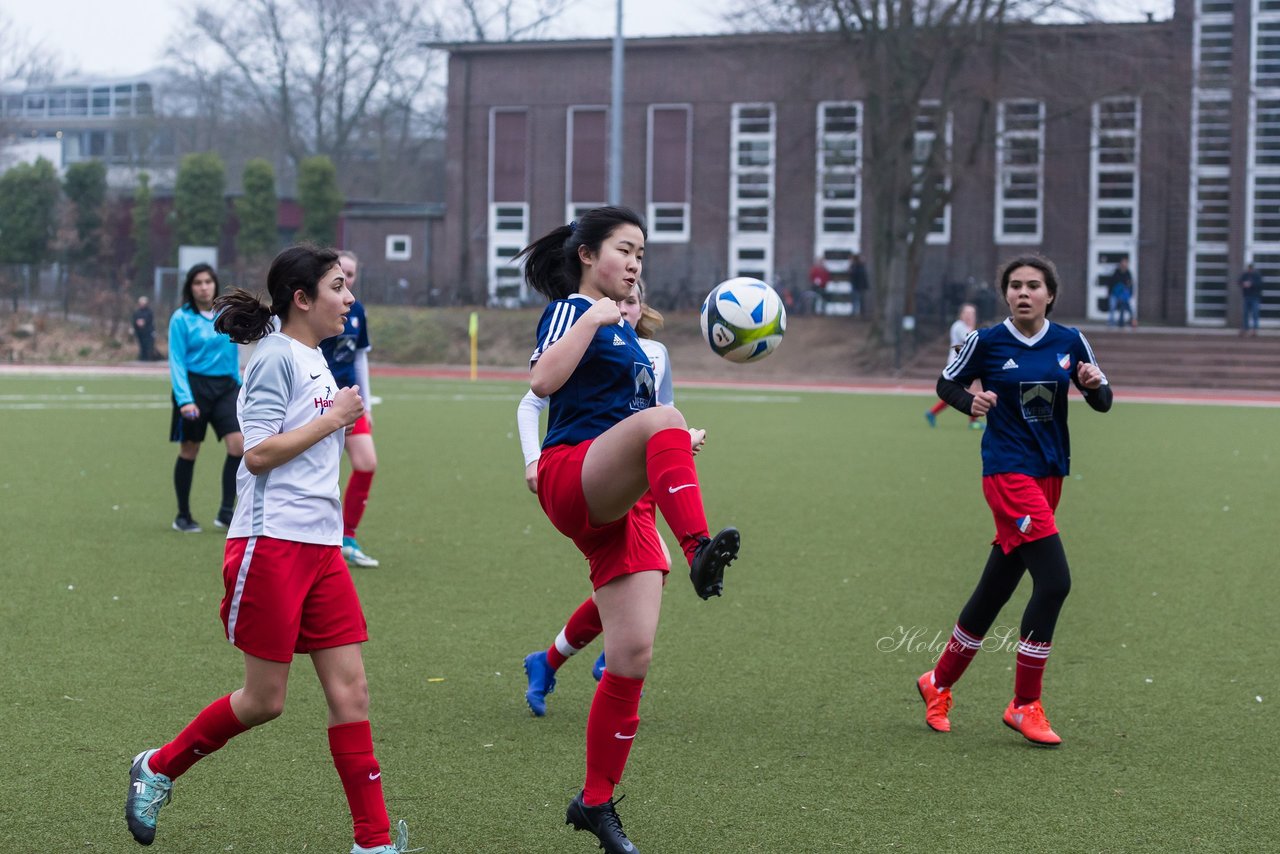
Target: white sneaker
(401, 845)
(353, 554)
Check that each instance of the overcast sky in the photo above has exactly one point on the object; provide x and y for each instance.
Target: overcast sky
(110, 37)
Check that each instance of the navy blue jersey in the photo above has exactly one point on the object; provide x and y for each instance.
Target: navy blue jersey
(614, 379)
(340, 350)
(1027, 428)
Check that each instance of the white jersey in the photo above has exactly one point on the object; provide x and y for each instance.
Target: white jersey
(531, 406)
(286, 386)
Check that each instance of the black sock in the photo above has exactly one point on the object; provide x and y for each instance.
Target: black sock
(229, 469)
(183, 471)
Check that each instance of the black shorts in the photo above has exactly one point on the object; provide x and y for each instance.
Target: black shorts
(215, 397)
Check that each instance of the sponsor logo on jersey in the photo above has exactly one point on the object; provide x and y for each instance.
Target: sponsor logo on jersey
(617, 340)
(645, 385)
(1010, 365)
(322, 403)
(1064, 361)
(1037, 400)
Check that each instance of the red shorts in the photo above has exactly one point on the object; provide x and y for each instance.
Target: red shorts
(362, 427)
(1022, 507)
(284, 597)
(626, 545)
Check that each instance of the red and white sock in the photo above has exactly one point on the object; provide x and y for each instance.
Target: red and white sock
(960, 650)
(1029, 674)
(611, 728)
(354, 501)
(673, 480)
(352, 748)
(583, 627)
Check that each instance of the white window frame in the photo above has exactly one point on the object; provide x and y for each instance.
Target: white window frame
(1262, 177)
(668, 212)
(573, 210)
(1004, 204)
(939, 233)
(743, 244)
(1105, 249)
(508, 233)
(399, 255)
(836, 247)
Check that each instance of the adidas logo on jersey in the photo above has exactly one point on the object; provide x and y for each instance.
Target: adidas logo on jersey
(617, 340)
(1010, 365)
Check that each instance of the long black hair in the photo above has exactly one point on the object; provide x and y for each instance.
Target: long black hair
(552, 266)
(245, 318)
(188, 299)
(1041, 263)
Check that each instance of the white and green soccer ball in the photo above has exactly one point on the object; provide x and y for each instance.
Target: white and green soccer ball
(743, 320)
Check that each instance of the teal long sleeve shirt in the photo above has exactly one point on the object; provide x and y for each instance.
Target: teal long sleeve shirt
(195, 347)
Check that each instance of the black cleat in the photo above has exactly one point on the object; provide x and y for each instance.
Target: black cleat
(712, 556)
(603, 821)
(186, 525)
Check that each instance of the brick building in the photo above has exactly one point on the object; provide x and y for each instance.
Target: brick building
(1159, 141)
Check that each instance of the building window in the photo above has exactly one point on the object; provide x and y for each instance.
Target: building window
(1114, 177)
(586, 160)
(508, 230)
(399, 247)
(839, 176)
(753, 144)
(1019, 171)
(1209, 213)
(667, 169)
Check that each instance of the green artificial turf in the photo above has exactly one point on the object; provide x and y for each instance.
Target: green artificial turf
(782, 718)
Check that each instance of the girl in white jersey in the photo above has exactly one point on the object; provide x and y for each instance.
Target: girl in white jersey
(584, 624)
(287, 586)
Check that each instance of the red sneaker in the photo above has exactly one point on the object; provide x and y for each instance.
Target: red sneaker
(1031, 722)
(937, 702)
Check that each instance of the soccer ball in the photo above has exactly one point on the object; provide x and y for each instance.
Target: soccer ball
(743, 319)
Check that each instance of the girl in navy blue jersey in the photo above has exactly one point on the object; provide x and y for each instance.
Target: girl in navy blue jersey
(606, 444)
(1026, 365)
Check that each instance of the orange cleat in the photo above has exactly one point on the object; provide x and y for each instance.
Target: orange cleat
(937, 702)
(1031, 722)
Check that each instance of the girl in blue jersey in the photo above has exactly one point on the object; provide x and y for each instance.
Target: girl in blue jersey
(606, 444)
(348, 358)
(204, 368)
(583, 625)
(1026, 365)
(287, 588)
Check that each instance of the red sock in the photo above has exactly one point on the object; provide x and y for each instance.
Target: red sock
(673, 480)
(938, 407)
(1029, 674)
(211, 729)
(961, 649)
(611, 728)
(583, 627)
(352, 749)
(354, 501)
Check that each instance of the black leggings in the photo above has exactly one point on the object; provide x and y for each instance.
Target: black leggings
(1046, 560)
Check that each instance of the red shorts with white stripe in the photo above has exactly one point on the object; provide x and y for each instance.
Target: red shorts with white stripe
(1022, 507)
(617, 548)
(284, 597)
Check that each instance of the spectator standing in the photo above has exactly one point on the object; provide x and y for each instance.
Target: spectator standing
(858, 282)
(144, 329)
(1251, 289)
(1121, 311)
(819, 278)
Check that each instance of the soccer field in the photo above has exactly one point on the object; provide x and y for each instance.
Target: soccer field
(782, 718)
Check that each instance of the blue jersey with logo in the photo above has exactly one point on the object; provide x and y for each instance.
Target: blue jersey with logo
(340, 350)
(614, 379)
(1027, 428)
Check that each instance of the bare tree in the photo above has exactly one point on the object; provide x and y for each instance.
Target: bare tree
(21, 59)
(910, 53)
(501, 20)
(315, 72)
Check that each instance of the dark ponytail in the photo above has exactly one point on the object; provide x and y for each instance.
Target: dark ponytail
(242, 316)
(551, 263)
(298, 268)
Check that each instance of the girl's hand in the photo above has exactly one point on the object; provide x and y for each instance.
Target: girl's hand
(697, 438)
(604, 313)
(190, 412)
(1090, 375)
(531, 477)
(983, 402)
(347, 406)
